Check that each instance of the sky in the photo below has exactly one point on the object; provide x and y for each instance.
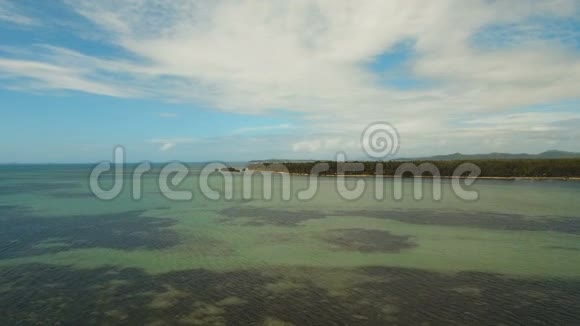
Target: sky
(241, 80)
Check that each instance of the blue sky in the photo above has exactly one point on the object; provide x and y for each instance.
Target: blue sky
(242, 80)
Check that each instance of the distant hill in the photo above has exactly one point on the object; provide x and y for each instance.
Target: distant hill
(552, 154)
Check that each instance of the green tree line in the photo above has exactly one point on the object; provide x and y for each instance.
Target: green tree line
(531, 168)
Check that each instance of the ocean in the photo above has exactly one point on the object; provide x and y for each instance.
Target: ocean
(68, 257)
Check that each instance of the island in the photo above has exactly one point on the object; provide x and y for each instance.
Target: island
(540, 169)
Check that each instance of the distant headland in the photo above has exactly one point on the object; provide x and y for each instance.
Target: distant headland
(548, 165)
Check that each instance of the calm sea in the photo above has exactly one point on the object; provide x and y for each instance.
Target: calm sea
(512, 257)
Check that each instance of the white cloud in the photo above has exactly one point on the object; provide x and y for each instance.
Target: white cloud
(167, 146)
(326, 144)
(307, 146)
(170, 143)
(311, 57)
(255, 56)
(39, 75)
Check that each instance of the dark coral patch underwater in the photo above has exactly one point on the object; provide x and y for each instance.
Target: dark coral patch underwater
(24, 234)
(33, 294)
(370, 241)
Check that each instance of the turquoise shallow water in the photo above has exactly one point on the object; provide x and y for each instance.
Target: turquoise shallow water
(512, 257)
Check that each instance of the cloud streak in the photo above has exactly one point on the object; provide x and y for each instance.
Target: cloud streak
(168, 115)
(10, 14)
(170, 143)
